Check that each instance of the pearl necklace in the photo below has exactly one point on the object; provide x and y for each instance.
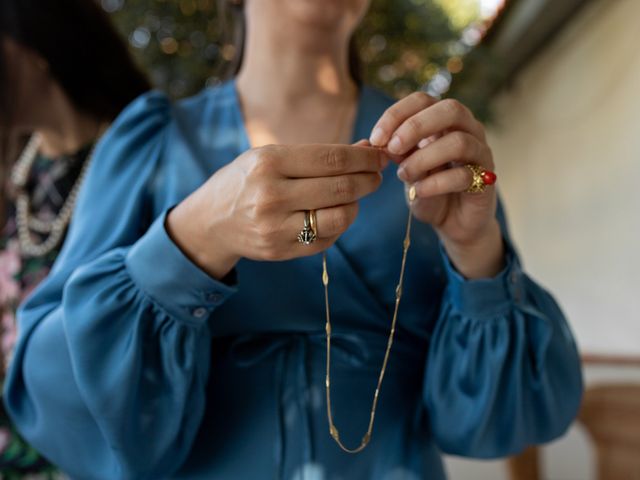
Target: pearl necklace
(25, 222)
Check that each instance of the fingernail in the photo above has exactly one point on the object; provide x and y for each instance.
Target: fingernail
(402, 174)
(395, 145)
(384, 162)
(377, 137)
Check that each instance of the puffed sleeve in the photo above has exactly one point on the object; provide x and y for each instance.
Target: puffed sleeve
(503, 369)
(109, 373)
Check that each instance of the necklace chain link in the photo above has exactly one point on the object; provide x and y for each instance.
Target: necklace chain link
(333, 430)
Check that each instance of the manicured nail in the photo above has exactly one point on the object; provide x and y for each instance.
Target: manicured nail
(395, 145)
(377, 137)
(402, 174)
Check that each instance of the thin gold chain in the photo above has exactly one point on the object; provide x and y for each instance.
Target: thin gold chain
(333, 431)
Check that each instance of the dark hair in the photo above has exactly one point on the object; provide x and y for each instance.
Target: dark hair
(85, 54)
(231, 14)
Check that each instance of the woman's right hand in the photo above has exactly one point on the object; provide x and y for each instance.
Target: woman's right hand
(254, 207)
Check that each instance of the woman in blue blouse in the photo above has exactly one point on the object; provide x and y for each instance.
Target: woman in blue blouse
(181, 331)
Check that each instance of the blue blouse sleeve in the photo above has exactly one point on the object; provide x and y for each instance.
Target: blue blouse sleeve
(503, 369)
(109, 373)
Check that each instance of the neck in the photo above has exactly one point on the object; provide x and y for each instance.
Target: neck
(296, 91)
(293, 72)
(67, 130)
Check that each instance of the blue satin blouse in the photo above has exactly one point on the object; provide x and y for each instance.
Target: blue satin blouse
(132, 363)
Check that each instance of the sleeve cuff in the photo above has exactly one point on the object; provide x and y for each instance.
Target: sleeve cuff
(171, 280)
(486, 296)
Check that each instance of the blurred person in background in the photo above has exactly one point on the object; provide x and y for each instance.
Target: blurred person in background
(183, 324)
(65, 75)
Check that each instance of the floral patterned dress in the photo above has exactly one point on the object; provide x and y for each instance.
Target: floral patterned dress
(49, 184)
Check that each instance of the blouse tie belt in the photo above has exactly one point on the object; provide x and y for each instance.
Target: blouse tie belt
(291, 376)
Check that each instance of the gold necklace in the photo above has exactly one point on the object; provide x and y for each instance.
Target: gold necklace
(333, 430)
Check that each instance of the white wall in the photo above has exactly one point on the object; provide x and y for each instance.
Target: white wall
(568, 153)
(567, 148)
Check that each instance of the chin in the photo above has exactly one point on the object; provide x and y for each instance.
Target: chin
(327, 14)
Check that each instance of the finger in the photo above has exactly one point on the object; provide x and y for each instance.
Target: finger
(388, 158)
(306, 161)
(451, 180)
(396, 114)
(330, 222)
(454, 147)
(323, 192)
(334, 221)
(298, 249)
(425, 142)
(445, 115)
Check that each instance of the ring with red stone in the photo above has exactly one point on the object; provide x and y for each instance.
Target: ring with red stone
(480, 178)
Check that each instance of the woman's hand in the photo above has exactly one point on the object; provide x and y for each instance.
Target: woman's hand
(254, 207)
(433, 140)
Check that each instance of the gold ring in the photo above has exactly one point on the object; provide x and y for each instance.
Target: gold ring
(307, 235)
(477, 181)
(481, 177)
(313, 222)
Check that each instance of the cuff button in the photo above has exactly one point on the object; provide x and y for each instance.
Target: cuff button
(199, 312)
(215, 297)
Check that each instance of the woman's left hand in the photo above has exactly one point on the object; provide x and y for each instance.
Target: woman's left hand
(433, 141)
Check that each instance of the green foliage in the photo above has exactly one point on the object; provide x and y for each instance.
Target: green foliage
(460, 12)
(403, 44)
(178, 42)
